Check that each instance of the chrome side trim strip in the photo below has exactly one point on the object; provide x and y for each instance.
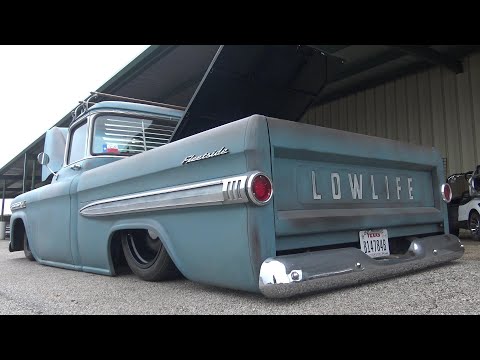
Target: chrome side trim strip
(290, 275)
(18, 205)
(231, 190)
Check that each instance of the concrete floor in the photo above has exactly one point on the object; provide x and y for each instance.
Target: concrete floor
(30, 288)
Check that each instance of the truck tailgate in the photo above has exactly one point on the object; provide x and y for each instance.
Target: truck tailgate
(331, 184)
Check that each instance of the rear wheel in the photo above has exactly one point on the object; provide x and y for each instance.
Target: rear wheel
(147, 257)
(26, 248)
(474, 225)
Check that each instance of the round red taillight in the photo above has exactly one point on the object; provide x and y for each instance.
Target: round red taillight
(260, 189)
(446, 191)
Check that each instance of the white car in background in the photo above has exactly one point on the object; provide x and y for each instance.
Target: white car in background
(464, 209)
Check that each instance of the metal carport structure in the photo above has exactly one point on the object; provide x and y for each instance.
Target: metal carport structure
(172, 73)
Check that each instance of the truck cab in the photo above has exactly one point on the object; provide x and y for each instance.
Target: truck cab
(103, 133)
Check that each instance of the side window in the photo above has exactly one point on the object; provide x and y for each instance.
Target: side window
(78, 143)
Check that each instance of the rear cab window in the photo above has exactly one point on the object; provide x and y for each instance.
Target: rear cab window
(128, 135)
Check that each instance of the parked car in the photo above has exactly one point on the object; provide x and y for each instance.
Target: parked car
(464, 208)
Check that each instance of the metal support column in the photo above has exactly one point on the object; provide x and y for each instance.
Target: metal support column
(3, 199)
(33, 175)
(25, 161)
(3, 225)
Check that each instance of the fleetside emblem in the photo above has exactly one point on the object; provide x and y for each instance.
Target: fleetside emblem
(208, 155)
(18, 205)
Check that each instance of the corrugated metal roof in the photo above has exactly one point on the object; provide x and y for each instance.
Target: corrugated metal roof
(172, 73)
(165, 73)
(370, 65)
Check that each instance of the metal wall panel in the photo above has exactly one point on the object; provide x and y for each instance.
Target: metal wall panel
(401, 101)
(425, 106)
(352, 113)
(380, 111)
(475, 95)
(432, 108)
(343, 117)
(465, 117)
(413, 110)
(391, 111)
(438, 111)
(370, 112)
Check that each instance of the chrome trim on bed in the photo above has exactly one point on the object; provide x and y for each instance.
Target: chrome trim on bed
(231, 190)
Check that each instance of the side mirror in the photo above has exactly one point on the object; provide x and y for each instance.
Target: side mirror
(55, 143)
(43, 158)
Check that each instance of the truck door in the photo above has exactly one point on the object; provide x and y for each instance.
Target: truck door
(53, 211)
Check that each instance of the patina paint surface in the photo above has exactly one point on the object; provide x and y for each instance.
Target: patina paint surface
(328, 185)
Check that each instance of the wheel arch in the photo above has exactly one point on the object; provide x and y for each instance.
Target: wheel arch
(18, 226)
(139, 224)
(473, 210)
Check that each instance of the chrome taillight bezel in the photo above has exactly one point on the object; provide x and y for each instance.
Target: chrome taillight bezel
(442, 191)
(250, 192)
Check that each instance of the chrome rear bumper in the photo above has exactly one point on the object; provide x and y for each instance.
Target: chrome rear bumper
(289, 275)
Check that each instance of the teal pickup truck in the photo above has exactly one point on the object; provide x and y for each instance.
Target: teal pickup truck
(258, 204)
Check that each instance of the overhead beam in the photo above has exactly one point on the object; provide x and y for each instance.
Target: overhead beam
(432, 56)
(329, 49)
(15, 177)
(7, 189)
(12, 195)
(373, 82)
(367, 64)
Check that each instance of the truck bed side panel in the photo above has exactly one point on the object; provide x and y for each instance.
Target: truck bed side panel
(209, 244)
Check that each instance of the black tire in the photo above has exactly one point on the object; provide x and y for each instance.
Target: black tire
(474, 225)
(26, 248)
(147, 257)
(455, 231)
(454, 227)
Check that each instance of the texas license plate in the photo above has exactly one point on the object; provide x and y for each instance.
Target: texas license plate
(374, 243)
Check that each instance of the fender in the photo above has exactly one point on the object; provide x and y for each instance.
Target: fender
(17, 216)
(464, 210)
(143, 224)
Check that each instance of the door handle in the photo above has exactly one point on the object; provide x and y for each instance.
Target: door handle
(75, 167)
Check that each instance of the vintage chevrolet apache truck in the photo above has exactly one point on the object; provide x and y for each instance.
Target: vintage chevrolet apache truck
(259, 204)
